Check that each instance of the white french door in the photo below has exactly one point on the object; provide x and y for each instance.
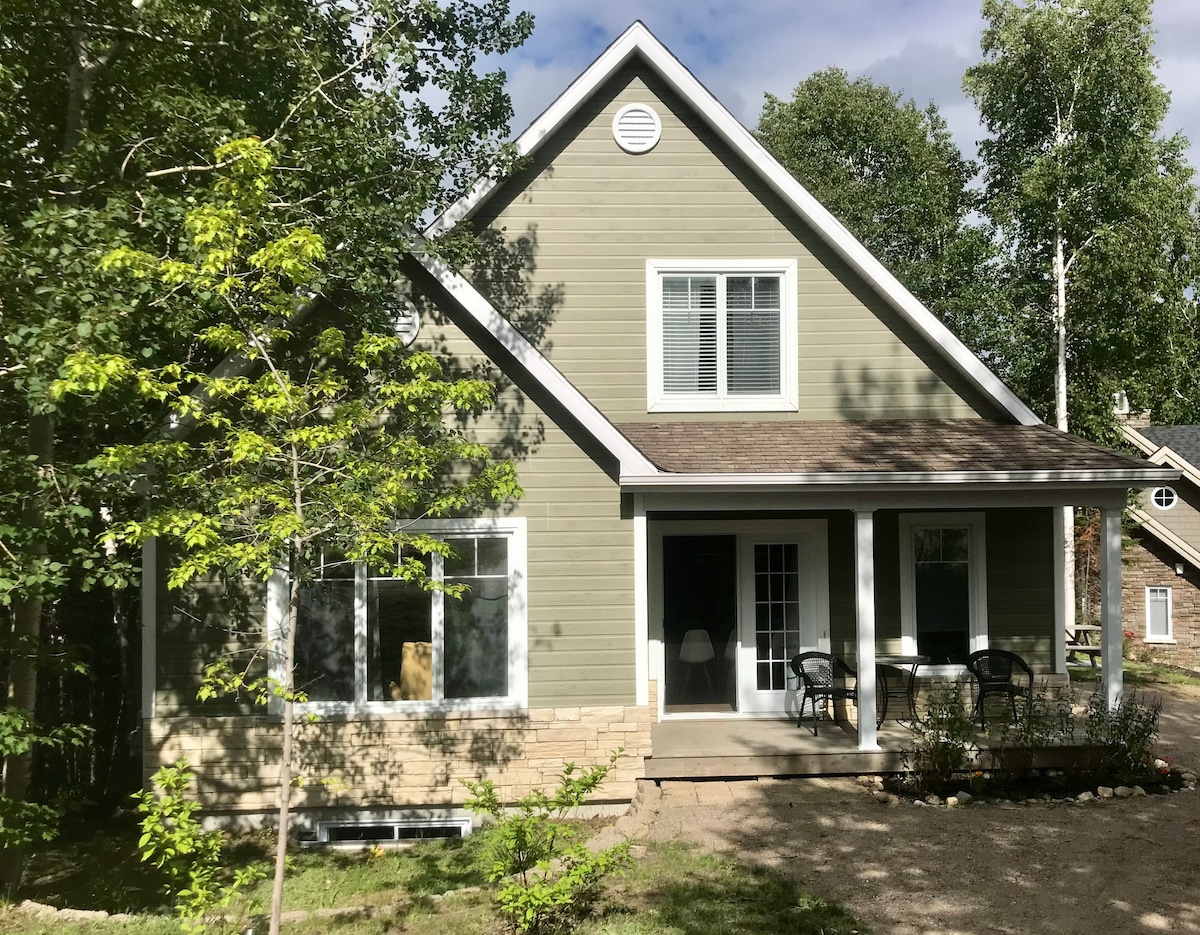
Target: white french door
(784, 610)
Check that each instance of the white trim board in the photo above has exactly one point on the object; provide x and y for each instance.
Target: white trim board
(638, 40)
(1166, 536)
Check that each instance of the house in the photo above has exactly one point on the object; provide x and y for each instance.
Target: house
(739, 436)
(1161, 577)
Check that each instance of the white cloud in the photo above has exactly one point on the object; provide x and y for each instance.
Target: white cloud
(742, 49)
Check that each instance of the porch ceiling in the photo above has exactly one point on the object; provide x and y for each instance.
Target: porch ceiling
(971, 447)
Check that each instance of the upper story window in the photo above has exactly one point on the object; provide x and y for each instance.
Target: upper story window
(366, 641)
(721, 335)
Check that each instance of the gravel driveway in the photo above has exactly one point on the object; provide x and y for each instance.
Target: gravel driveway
(1110, 867)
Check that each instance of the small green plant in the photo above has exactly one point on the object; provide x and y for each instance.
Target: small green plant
(174, 841)
(1123, 734)
(1045, 720)
(551, 878)
(944, 741)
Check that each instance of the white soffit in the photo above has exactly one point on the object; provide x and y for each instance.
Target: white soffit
(637, 39)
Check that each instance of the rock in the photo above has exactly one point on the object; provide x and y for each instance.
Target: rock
(1085, 797)
(1105, 792)
(965, 798)
(37, 910)
(933, 799)
(920, 803)
(885, 798)
(1122, 792)
(1188, 776)
(637, 851)
(81, 915)
(951, 801)
(1161, 764)
(865, 781)
(1138, 791)
(1189, 786)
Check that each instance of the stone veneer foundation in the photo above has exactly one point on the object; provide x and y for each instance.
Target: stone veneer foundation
(402, 761)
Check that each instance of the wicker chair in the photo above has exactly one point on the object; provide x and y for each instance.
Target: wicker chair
(817, 673)
(999, 672)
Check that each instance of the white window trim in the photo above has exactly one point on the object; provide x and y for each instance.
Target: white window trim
(787, 400)
(518, 629)
(977, 581)
(1174, 498)
(1170, 637)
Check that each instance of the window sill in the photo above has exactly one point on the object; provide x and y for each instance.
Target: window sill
(401, 710)
(711, 404)
(1160, 640)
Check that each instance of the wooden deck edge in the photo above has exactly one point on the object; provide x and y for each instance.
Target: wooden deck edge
(797, 764)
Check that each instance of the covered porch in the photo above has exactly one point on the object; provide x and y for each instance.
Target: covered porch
(861, 540)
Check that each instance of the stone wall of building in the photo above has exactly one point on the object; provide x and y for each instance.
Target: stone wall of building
(402, 761)
(1149, 563)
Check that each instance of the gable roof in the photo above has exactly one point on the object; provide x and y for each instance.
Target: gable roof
(1184, 440)
(638, 41)
(1164, 453)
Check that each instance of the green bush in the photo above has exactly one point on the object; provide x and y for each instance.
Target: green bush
(188, 856)
(944, 741)
(1124, 735)
(551, 879)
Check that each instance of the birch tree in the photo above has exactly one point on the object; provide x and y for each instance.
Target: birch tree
(1095, 206)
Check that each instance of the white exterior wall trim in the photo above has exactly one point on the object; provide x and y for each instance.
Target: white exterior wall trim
(1161, 454)
(1166, 537)
(538, 366)
(638, 39)
(1133, 477)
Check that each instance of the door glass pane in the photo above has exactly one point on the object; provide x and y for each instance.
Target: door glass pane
(941, 583)
(777, 612)
(325, 641)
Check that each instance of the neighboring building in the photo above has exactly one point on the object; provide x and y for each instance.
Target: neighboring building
(1161, 580)
(740, 437)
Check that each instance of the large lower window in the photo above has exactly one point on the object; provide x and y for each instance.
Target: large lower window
(942, 586)
(368, 640)
(721, 335)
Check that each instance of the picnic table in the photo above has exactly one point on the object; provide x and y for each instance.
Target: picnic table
(1079, 642)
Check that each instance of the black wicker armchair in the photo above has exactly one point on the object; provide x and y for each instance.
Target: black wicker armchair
(999, 672)
(819, 674)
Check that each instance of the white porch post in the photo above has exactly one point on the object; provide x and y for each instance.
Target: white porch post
(864, 581)
(1062, 604)
(1110, 604)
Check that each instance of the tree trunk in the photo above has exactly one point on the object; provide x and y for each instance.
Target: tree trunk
(22, 672)
(1060, 418)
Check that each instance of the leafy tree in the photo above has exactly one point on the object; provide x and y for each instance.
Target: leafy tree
(323, 448)
(1096, 208)
(891, 173)
(109, 113)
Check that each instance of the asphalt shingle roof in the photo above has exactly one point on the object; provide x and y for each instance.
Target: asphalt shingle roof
(922, 445)
(1182, 439)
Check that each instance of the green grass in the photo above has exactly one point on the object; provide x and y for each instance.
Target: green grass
(673, 890)
(1137, 673)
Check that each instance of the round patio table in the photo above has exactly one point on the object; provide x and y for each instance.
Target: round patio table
(892, 681)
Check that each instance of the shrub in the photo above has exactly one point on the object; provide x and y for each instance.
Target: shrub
(188, 856)
(552, 879)
(944, 741)
(1124, 734)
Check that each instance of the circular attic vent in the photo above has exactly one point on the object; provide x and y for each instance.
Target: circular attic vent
(636, 128)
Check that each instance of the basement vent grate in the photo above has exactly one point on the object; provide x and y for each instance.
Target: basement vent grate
(636, 128)
(369, 831)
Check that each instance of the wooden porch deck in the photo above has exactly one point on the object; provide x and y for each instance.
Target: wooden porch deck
(749, 747)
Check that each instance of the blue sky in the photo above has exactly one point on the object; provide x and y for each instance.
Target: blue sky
(745, 48)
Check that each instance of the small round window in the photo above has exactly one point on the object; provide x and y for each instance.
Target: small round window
(1164, 497)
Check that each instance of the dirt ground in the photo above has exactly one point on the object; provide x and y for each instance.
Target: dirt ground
(1110, 867)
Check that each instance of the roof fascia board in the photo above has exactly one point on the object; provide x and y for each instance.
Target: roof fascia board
(1165, 536)
(639, 39)
(1128, 477)
(529, 357)
(1162, 454)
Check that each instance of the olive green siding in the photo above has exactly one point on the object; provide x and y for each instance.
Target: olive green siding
(1183, 518)
(588, 216)
(1020, 583)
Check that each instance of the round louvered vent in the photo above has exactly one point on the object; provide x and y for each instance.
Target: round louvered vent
(636, 128)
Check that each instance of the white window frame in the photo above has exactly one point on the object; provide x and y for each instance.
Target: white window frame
(786, 400)
(1174, 498)
(514, 529)
(976, 581)
(1170, 635)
